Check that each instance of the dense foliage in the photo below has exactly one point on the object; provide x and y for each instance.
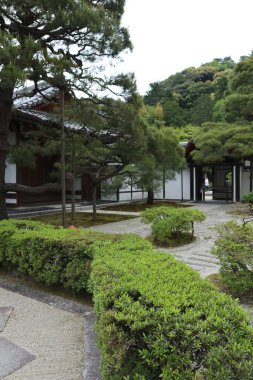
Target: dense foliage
(64, 43)
(155, 317)
(217, 91)
(234, 250)
(190, 96)
(170, 222)
(48, 254)
(219, 142)
(158, 320)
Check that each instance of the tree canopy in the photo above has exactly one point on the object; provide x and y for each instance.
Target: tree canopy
(62, 42)
(221, 142)
(189, 96)
(239, 103)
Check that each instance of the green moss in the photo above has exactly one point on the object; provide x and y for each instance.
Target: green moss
(82, 219)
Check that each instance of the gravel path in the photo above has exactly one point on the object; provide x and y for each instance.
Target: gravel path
(197, 254)
(54, 337)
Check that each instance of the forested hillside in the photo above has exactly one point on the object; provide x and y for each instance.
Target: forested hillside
(217, 91)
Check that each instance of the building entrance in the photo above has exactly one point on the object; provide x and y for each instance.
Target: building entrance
(214, 183)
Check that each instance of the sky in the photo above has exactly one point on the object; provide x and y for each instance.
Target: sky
(171, 35)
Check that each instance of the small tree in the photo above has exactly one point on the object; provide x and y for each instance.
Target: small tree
(162, 157)
(171, 223)
(115, 138)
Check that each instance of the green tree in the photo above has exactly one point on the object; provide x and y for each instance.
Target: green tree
(239, 104)
(219, 142)
(174, 115)
(116, 139)
(202, 110)
(61, 42)
(162, 157)
(184, 94)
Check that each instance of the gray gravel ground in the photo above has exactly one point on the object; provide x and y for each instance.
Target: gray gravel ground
(54, 336)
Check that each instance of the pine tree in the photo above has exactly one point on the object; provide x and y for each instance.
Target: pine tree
(61, 42)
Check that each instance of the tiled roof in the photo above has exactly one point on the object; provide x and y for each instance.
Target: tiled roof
(25, 103)
(25, 99)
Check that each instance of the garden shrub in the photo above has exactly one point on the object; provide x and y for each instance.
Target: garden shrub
(157, 319)
(234, 248)
(169, 222)
(248, 198)
(48, 254)
(10, 227)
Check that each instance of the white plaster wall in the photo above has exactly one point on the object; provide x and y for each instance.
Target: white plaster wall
(10, 173)
(139, 195)
(111, 197)
(173, 187)
(245, 182)
(124, 196)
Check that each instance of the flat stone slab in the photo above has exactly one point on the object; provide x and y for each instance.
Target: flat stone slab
(12, 357)
(4, 316)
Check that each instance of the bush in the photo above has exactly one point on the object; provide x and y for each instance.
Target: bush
(168, 222)
(157, 319)
(10, 227)
(48, 254)
(247, 198)
(234, 248)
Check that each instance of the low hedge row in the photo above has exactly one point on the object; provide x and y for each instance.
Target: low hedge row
(48, 254)
(156, 318)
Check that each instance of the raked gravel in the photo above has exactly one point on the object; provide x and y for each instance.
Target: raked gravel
(54, 336)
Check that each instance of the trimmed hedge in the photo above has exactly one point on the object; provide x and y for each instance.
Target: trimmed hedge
(48, 254)
(156, 318)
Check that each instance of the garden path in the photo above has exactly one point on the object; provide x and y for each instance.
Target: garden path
(197, 254)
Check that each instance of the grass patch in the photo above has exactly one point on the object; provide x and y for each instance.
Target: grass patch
(82, 219)
(184, 239)
(141, 206)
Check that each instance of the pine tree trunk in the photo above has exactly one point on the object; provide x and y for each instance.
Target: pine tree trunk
(150, 199)
(5, 118)
(94, 201)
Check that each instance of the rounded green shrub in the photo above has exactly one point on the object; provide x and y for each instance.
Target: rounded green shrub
(169, 222)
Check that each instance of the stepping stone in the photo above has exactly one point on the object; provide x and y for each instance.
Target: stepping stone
(12, 357)
(4, 316)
